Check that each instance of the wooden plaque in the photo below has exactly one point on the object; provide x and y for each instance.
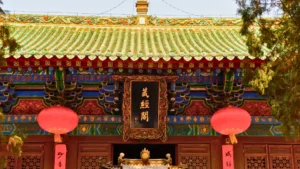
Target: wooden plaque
(145, 106)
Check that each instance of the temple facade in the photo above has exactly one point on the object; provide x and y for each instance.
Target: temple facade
(84, 63)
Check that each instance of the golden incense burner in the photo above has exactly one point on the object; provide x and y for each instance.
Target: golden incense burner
(146, 161)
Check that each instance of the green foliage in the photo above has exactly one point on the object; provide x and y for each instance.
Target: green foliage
(13, 143)
(7, 42)
(279, 79)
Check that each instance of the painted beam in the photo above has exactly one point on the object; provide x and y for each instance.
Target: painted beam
(115, 129)
(115, 119)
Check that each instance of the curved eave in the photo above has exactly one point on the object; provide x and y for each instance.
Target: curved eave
(129, 63)
(208, 57)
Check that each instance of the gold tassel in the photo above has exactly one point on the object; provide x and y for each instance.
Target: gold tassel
(57, 138)
(233, 139)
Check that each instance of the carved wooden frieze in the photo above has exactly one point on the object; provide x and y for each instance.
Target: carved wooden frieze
(145, 106)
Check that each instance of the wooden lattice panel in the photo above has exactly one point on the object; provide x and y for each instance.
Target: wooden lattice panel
(196, 162)
(31, 162)
(256, 157)
(197, 155)
(256, 162)
(297, 163)
(90, 155)
(296, 151)
(281, 156)
(10, 162)
(281, 163)
(271, 156)
(91, 162)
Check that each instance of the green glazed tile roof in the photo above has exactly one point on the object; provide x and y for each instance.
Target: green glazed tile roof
(145, 42)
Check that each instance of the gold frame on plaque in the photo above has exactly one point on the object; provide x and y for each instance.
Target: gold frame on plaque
(145, 133)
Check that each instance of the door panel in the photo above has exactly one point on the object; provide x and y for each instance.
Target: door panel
(197, 154)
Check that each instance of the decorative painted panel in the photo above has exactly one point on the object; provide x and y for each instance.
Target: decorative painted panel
(91, 155)
(192, 105)
(197, 155)
(90, 107)
(197, 107)
(118, 119)
(115, 129)
(28, 106)
(257, 108)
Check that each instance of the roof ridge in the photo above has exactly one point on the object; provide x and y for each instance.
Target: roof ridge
(122, 26)
(124, 21)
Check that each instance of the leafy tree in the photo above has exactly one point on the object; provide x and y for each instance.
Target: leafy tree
(14, 142)
(7, 42)
(278, 38)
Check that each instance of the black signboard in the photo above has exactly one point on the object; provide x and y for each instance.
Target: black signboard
(145, 107)
(144, 104)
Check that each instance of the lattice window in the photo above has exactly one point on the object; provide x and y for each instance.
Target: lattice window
(196, 162)
(281, 163)
(31, 162)
(256, 162)
(92, 162)
(9, 162)
(297, 163)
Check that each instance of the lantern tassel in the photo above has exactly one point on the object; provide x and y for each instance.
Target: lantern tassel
(233, 139)
(57, 138)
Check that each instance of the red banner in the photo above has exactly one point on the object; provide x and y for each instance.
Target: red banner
(227, 152)
(60, 156)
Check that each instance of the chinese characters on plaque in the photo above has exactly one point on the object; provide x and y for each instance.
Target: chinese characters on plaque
(144, 104)
(227, 153)
(60, 156)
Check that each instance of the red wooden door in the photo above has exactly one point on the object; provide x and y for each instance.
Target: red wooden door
(271, 156)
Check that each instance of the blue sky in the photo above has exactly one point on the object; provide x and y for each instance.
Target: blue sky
(205, 8)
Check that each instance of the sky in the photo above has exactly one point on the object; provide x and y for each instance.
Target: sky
(162, 8)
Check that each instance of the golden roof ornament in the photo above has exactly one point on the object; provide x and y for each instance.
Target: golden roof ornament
(142, 7)
(142, 10)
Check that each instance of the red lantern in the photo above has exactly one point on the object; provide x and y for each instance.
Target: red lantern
(231, 121)
(57, 120)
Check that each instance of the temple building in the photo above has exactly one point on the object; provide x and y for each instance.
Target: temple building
(136, 83)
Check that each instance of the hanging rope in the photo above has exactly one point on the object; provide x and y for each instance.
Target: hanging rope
(113, 7)
(178, 8)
